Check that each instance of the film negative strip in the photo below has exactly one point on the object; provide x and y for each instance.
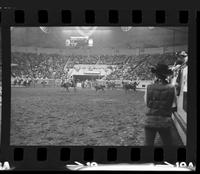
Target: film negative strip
(98, 88)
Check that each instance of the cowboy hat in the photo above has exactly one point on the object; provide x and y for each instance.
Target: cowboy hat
(161, 69)
(182, 57)
(183, 53)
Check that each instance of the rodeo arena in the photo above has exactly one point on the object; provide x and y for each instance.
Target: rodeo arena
(86, 85)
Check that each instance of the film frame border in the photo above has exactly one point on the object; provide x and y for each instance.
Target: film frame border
(29, 153)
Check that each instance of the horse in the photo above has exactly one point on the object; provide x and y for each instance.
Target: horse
(110, 85)
(27, 83)
(68, 84)
(128, 86)
(18, 82)
(83, 84)
(43, 82)
(99, 87)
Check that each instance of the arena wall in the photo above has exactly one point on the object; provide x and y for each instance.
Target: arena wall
(153, 50)
(105, 51)
(56, 82)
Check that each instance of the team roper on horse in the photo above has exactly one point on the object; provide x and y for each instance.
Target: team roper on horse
(110, 85)
(22, 81)
(98, 86)
(67, 83)
(130, 86)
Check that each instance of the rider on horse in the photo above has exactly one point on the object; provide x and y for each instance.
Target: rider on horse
(68, 82)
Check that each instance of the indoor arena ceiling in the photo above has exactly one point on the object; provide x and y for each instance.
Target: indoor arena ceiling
(103, 37)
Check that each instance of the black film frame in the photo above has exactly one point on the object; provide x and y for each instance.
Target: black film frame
(34, 13)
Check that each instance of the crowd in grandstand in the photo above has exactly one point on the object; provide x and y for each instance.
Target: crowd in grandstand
(140, 66)
(53, 65)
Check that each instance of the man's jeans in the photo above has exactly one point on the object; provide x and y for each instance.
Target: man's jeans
(165, 134)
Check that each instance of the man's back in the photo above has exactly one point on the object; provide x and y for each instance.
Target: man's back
(160, 98)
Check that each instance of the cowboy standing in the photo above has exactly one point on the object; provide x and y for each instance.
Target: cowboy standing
(160, 98)
(182, 59)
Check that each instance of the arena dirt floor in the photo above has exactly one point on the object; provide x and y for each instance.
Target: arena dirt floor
(52, 116)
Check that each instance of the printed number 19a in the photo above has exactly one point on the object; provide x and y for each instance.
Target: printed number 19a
(184, 164)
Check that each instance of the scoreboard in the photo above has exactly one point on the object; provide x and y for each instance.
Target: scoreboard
(79, 42)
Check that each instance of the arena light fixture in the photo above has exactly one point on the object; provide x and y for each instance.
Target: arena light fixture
(125, 29)
(44, 29)
(86, 28)
(86, 31)
(151, 28)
